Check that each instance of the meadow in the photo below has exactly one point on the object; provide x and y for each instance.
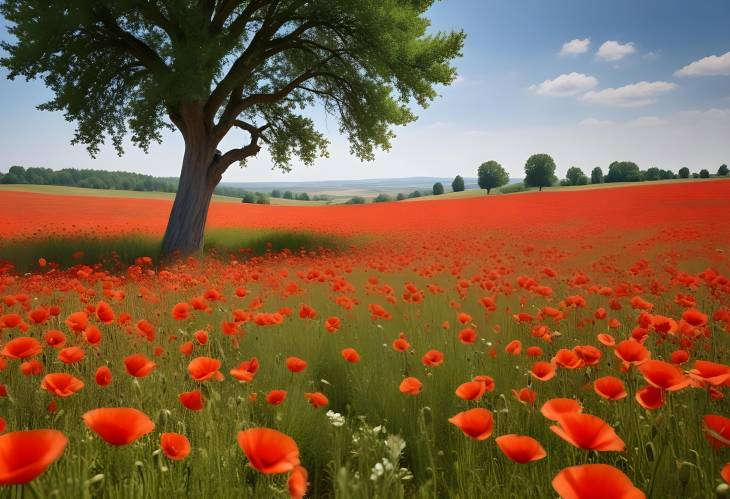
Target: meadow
(570, 343)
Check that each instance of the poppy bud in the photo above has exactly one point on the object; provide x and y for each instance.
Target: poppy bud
(649, 450)
(722, 491)
(683, 471)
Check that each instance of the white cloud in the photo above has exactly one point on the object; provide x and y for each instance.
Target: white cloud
(711, 114)
(613, 51)
(639, 94)
(708, 66)
(565, 85)
(590, 122)
(576, 46)
(647, 121)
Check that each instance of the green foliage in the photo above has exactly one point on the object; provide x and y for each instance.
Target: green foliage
(652, 174)
(597, 175)
(415, 194)
(666, 175)
(491, 175)
(382, 198)
(704, 173)
(458, 184)
(400, 197)
(512, 188)
(438, 189)
(575, 176)
(539, 171)
(684, 172)
(119, 67)
(722, 171)
(356, 200)
(623, 171)
(276, 193)
(288, 195)
(302, 196)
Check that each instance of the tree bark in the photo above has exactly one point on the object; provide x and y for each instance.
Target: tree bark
(186, 225)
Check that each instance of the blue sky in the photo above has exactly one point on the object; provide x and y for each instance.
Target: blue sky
(637, 81)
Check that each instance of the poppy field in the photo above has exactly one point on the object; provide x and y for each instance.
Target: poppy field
(572, 344)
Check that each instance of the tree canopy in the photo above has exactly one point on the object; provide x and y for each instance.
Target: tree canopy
(540, 171)
(575, 176)
(623, 171)
(491, 175)
(597, 175)
(457, 185)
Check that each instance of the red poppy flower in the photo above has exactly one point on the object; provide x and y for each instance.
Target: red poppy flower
(411, 386)
(77, 321)
(514, 347)
(31, 367)
(24, 455)
(269, 451)
(593, 481)
(680, 356)
(317, 399)
(520, 449)
(246, 370)
(632, 352)
(22, 347)
(192, 400)
(534, 351)
(146, 329)
(276, 397)
(104, 312)
(586, 431)
(61, 384)
(525, 395)
(694, 317)
(181, 311)
(567, 359)
(39, 315)
(717, 430)
(71, 355)
(471, 390)
(138, 365)
(295, 364)
(332, 324)
(175, 446)
(54, 338)
(351, 355)
(650, 397)
(664, 375)
(433, 358)
(542, 370)
(297, 483)
(467, 336)
(400, 344)
(487, 381)
(606, 339)
(610, 388)
(476, 423)
(554, 408)
(725, 473)
(103, 376)
(201, 337)
(710, 373)
(204, 369)
(590, 355)
(118, 426)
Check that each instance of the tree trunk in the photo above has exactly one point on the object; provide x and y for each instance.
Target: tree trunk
(539, 189)
(488, 189)
(186, 226)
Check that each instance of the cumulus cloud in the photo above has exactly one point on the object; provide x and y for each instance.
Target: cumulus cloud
(613, 50)
(639, 94)
(647, 121)
(565, 85)
(576, 46)
(708, 66)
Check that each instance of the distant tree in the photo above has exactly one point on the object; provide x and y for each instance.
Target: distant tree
(382, 198)
(288, 195)
(652, 174)
(458, 184)
(262, 198)
(684, 172)
(414, 194)
(491, 175)
(249, 198)
(276, 193)
(303, 196)
(597, 175)
(575, 176)
(623, 171)
(666, 174)
(722, 171)
(400, 196)
(539, 171)
(695, 175)
(438, 189)
(356, 200)
(704, 173)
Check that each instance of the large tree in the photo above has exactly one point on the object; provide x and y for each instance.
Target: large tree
(491, 175)
(207, 67)
(540, 171)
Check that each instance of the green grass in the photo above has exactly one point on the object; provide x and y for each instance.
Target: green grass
(116, 253)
